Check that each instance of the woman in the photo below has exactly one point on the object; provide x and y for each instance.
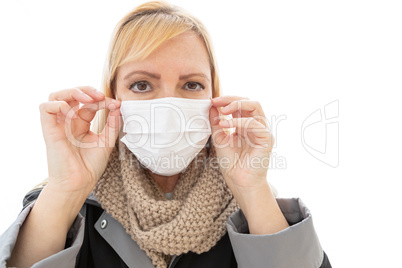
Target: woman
(110, 202)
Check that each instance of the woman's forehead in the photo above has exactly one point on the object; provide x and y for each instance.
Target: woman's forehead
(184, 53)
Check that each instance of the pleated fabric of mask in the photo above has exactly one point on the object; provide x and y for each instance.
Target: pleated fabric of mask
(166, 134)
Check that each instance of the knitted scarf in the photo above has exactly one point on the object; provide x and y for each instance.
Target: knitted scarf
(193, 220)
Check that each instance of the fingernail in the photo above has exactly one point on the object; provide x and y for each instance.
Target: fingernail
(226, 108)
(216, 98)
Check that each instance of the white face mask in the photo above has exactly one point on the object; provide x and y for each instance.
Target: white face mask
(166, 134)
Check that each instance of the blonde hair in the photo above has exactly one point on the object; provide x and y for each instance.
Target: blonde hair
(137, 35)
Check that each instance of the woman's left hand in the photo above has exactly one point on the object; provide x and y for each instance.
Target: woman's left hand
(243, 155)
(243, 158)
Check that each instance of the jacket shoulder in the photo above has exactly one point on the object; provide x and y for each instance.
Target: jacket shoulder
(30, 197)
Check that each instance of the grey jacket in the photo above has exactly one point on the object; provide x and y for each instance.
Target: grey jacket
(297, 246)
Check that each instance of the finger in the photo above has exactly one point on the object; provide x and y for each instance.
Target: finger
(111, 131)
(225, 100)
(245, 108)
(88, 111)
(92, 92)
(74, 94)
(243, 105)
(250, 129)
(49, 112)
(249, 124)
(74, 105)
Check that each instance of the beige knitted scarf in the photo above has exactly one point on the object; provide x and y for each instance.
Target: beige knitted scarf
(193, 220)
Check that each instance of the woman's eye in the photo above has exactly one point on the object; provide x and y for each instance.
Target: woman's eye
(194, 86)
(141, 86)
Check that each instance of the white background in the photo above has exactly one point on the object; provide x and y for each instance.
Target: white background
(293, 56)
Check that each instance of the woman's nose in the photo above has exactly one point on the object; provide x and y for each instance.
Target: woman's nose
(169, 92)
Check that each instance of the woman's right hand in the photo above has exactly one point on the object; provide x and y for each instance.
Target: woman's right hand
(76, 156)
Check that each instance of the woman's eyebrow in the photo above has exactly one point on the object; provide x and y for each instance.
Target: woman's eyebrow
(187, 76)
(153, 75)
(158, 76)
